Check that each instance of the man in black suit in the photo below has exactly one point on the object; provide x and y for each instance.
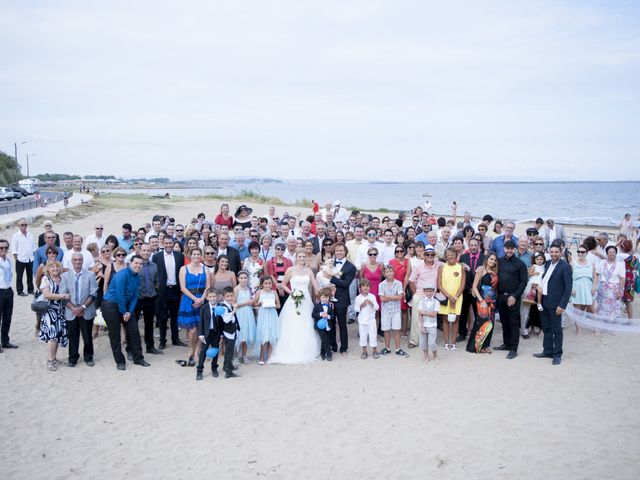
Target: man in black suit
(169, 264)
(321, 229)
(231, 253)
(556, 284)
(473, 260)
(324, 309)
(342, 281)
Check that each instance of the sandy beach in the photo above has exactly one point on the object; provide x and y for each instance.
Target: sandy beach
(471, 416)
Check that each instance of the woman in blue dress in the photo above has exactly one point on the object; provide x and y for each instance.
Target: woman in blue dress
(193, 282)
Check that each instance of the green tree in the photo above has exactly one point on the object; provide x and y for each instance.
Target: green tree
(9, 169)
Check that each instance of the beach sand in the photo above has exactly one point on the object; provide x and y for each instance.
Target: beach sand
(472, 416)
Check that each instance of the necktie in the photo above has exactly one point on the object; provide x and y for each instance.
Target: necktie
(78, 288)
(474, 259)
(146, 278)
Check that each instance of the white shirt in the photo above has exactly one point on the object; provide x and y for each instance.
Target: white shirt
(552, 234)
(5, 273)
(23, 246)
(170, 267)
(429, 305)
(87, 263)
(545, 279)
(386, 253)
(290, 256)
(94, 239)
(367, 313)
(152, 232)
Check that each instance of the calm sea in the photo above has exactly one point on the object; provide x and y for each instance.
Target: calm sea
(571, 203)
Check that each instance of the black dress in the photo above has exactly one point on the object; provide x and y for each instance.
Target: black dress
(482, 331)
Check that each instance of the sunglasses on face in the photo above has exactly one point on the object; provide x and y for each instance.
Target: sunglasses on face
(121, 254)
(429, 254)
(22, 224)
(399, 251)
(99, 228)
(2, 247)
(105, 251)
(208, 253)
(582, 251)
(179, 229)
(373, 254)
(538, 244)
(48, 253)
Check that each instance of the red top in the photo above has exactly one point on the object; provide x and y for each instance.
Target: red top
(220, 220)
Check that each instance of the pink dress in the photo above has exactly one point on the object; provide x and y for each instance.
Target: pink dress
(374, 278)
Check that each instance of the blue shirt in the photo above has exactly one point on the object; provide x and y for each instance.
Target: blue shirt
(422, 238)
(498, 244)
(244, 253)
(40, 257)
(124, 243)
(525, 257)
(123, 290)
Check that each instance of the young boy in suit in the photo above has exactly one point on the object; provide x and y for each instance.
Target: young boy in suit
(324, 310)
(208, 333)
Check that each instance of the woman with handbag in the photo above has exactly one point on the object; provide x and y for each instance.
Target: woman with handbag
(52, 254)
(53, 328)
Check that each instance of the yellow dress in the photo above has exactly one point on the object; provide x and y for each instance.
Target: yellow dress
(451, 281)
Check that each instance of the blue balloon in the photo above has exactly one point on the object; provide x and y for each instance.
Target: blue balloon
(322, 324)
(219, 310)
(212, 352)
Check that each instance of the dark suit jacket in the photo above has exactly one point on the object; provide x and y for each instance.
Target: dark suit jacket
(560, 285)
(318, 309)
(466, 258)
(158, 259)
(205, 321)
(342, 284)
(317, 244)
(234, 259)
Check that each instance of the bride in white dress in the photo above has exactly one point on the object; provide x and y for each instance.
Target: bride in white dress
(298, 341)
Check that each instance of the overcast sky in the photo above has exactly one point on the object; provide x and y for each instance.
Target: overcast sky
(383, 90)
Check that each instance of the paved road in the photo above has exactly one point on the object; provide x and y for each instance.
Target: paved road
(26, 203)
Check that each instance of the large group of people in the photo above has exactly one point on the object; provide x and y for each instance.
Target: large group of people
(284, 289)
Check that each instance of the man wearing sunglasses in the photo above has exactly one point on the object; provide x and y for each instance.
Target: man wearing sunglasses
(23, 247)
(96, 237)
(6, 295)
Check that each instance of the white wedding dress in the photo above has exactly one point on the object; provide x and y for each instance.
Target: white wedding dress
(298, 341)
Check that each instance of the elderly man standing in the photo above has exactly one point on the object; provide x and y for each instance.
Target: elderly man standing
(48, 227)
(80, 310)
(499, 242)
(554, 232)
(77, 248)
(512, 280)
(118, 308)
(98, 237)
(23, 247)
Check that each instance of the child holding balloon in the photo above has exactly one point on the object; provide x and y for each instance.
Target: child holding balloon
(323, 316)
(209, 333)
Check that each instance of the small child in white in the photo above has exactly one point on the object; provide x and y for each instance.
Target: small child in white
(367, 306)
(428, 309)
(324, 282)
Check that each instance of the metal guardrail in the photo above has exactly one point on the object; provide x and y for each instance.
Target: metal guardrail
(20, 206)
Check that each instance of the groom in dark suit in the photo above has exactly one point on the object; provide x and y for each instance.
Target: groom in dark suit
(169, 264)
(342, 281)
(556, 284)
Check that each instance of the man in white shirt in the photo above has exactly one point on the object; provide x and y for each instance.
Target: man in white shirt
(387, 249)
(6, 295)
(23, 247)
(97, 237)
(292, 246)
(305, 231)
(157, 226)
(88, 262)
(67, 242)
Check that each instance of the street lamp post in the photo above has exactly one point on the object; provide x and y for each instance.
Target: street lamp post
(15, 149)
(33, 155)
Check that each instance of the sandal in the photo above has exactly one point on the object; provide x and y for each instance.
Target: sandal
(364, 355)
(446, 346)
(376, 355)
(182, 363)
(51, 366)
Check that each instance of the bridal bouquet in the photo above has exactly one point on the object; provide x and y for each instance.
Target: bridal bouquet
(297, 296)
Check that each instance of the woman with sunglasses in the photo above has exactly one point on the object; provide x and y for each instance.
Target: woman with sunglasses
(401, 272)
(52, 255)
(53, 328)
(372, 271)
(277, 266)
(326, 251)
(210, 260)
(583, 274)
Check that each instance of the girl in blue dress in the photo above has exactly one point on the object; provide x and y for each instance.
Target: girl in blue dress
(268, 329)
(193, 282)
(246, 318)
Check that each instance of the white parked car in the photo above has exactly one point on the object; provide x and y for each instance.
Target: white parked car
(6, 193)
